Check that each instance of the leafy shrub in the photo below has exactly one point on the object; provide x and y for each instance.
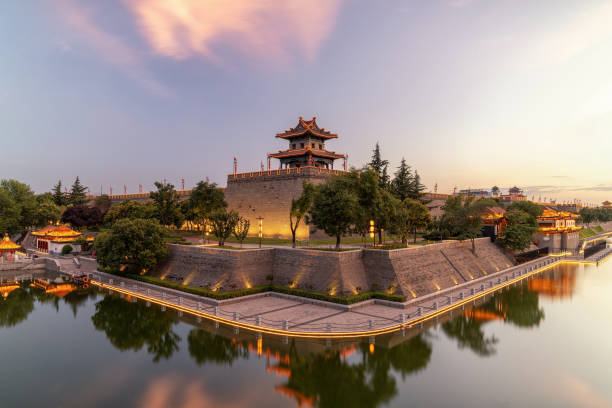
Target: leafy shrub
(66, 249)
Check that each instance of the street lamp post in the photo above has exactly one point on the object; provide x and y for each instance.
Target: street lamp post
(260, 219)
(372, 235)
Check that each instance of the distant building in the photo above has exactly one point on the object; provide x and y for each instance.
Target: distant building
(478, 192)
(606, 205)
(8, 248)
(52, 238)
(493, 222)
(514, 194)
(557, 230)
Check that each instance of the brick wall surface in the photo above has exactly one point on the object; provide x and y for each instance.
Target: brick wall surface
(413, 271)
(268, 195)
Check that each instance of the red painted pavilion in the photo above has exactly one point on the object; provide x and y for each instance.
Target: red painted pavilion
(306, 146)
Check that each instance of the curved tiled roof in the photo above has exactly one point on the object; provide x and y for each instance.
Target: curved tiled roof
(7, 245)
(306, 151)
(307, 126)
(59, 233)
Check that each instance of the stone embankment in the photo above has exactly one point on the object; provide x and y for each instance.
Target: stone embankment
(413, 272)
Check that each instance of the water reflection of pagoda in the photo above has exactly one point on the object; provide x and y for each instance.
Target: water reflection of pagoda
(558, 285)
(57, 289)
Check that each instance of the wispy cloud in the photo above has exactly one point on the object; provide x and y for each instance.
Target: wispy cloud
(108, 46)
(264, 29)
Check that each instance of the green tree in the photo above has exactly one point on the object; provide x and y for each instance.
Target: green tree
(78, 194)
(410, 216)
(530, 208)
(417, 189)
(587, 215)
(380, 166)
(10, 216)
(519, 230)
(223, 223)
(58, 195)
(167, 202)
(241, 229)
(402, 184)
(334, 208)
(299, 208)
(464, 216)
(130, 209)
(47, 211)
(205, 200)
(135, 243)
(18, 206)
(103, 203)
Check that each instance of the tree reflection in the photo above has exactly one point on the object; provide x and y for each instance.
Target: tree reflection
(468, 332)
(16, 307)
(131, 326)
(406, 358)
(77, 298)
(515, 305)
(207, 347)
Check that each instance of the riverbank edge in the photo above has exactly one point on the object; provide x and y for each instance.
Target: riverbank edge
(518, 273)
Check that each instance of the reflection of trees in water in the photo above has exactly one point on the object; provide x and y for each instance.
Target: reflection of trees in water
(77, 298)
(325, 379)
(16, 307)
(468, 332)
(516, 305)
(133, 325)
(207, 347)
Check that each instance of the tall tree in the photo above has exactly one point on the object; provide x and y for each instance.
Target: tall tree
(77, 193)
(410, 216)
(223, 223)
(299, 208)
(519, 231)
(58, 195)
(24, 199)
(464, 215)
(130, 209)
(417, 189)
(241, 229)
(402, 183)
(379, 166)
(168, 205)
(47, 211)
(334, 208)
(205, 199)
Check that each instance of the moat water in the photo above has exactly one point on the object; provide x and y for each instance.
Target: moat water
(544, 343)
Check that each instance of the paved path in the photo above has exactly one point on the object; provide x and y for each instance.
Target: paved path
(291, 315)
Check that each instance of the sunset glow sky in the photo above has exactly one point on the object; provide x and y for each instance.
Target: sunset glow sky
(473, 93)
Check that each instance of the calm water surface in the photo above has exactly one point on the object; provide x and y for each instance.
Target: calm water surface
(545, 343)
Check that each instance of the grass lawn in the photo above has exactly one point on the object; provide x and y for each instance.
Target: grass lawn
(587, 233)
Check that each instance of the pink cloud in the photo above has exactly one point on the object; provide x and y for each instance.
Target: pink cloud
(107, 45)
(278, 29)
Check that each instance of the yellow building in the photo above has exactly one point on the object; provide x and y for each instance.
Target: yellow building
(8, 247)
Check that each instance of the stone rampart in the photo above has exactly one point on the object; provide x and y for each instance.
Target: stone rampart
(268, 194)
(414, 271)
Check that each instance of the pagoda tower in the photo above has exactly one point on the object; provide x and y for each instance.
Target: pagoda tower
(306, 146)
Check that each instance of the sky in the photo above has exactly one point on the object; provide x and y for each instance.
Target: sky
(472, 93)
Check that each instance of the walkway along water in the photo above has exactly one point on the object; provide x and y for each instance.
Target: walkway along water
(288, 315)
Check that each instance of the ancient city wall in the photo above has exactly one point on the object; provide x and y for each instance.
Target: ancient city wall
(268, 194)
(413, 271)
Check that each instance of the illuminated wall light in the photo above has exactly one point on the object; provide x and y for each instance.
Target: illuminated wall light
(454, 280)
(412, 292)
(189, 277)
(436, 285)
